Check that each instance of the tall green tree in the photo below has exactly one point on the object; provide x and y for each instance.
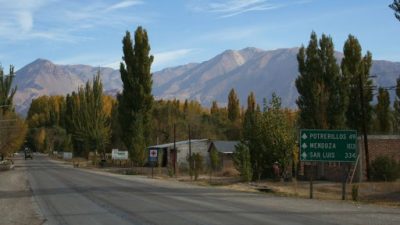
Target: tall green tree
(214, 108)
(90, 121)
(355, 69)
(135, 101)
(242, 161)
(322, 94)
(277, 136)
(396, 106)
(233, 106)
(252, 136)
(6, 90)
(396, 7)
(382, 111)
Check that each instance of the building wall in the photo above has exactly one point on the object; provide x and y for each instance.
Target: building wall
(383, 145)
(197, 147)
(387, 145)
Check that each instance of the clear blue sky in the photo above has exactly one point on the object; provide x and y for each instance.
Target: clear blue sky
(182, 31)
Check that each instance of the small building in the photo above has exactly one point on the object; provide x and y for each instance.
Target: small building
(177, 157)
(225, 151)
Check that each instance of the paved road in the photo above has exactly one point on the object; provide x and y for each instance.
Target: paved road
(67, 195)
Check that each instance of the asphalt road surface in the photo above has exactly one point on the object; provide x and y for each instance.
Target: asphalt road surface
(67, 195)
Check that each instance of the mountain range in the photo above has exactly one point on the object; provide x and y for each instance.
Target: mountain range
(246, 70)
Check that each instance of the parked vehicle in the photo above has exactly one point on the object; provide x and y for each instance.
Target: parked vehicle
(28, 153)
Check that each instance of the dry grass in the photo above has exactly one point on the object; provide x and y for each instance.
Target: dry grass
(382, 193)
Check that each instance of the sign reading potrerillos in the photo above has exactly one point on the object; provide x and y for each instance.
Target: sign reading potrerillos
(328, 145)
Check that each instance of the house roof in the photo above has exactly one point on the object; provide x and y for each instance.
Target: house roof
(170, 145)
(225, 147)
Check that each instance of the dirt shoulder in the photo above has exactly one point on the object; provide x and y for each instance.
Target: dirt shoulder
(377, 193)
(17, 205)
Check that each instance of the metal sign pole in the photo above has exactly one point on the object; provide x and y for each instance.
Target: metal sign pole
(344, 178)
(152, 170)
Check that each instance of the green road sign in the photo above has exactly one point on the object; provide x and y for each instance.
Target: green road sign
(328, 145)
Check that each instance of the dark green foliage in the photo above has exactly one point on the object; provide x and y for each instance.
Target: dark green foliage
(382, 111)
(251, 135)
(385, 168)
(355, 69)
(215, 161)
(396, 7)
(322, 96)
(135, 101)
(242, 161)
(6, 90)
(233, 106)
(269, 136)
(197, 164)
(278, 137)
(91, 125)
(396, 106)
(116, 132)
(214, 108)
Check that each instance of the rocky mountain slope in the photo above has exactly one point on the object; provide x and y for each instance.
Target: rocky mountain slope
(246, 70)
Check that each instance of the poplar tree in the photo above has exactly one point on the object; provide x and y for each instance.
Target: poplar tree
(233, 106)
(214, 108)
(396, 106)
(90, 121)
(251, 135)
(383, 110)
(355, 69)
(396, 7)
(135, 101)
(322, 96)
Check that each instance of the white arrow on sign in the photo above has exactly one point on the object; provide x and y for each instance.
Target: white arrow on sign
(304, 155)
(304, 145)
(304, 136)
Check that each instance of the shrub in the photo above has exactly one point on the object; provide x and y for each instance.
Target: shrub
(385, 168)
(198, 165)
(241, 160)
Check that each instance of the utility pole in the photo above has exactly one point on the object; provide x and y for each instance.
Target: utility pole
(364, 126)
(175, 152)
(190, 157)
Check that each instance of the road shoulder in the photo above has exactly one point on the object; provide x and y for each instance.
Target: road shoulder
(16, 201)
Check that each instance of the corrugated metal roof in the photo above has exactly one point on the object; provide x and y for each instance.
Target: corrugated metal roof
(169, 145)
(225, 146)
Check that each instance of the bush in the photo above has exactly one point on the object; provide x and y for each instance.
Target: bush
(385, 168)
(241, 160)
(198, 165)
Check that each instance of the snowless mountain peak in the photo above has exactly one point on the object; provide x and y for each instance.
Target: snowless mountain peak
(246, 70)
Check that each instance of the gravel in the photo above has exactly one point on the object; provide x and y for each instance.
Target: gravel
(17, 205)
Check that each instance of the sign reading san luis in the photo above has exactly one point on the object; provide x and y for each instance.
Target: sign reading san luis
(328, 145)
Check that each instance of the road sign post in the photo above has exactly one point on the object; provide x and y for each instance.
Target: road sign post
(153, 158)
(328, 146)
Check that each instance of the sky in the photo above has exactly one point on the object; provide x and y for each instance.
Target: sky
(184, 31)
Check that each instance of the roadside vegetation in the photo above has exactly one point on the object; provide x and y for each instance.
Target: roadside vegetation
(89, 121)
(12, 127)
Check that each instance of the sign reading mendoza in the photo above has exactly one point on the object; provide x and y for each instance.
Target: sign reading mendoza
(328, 145)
